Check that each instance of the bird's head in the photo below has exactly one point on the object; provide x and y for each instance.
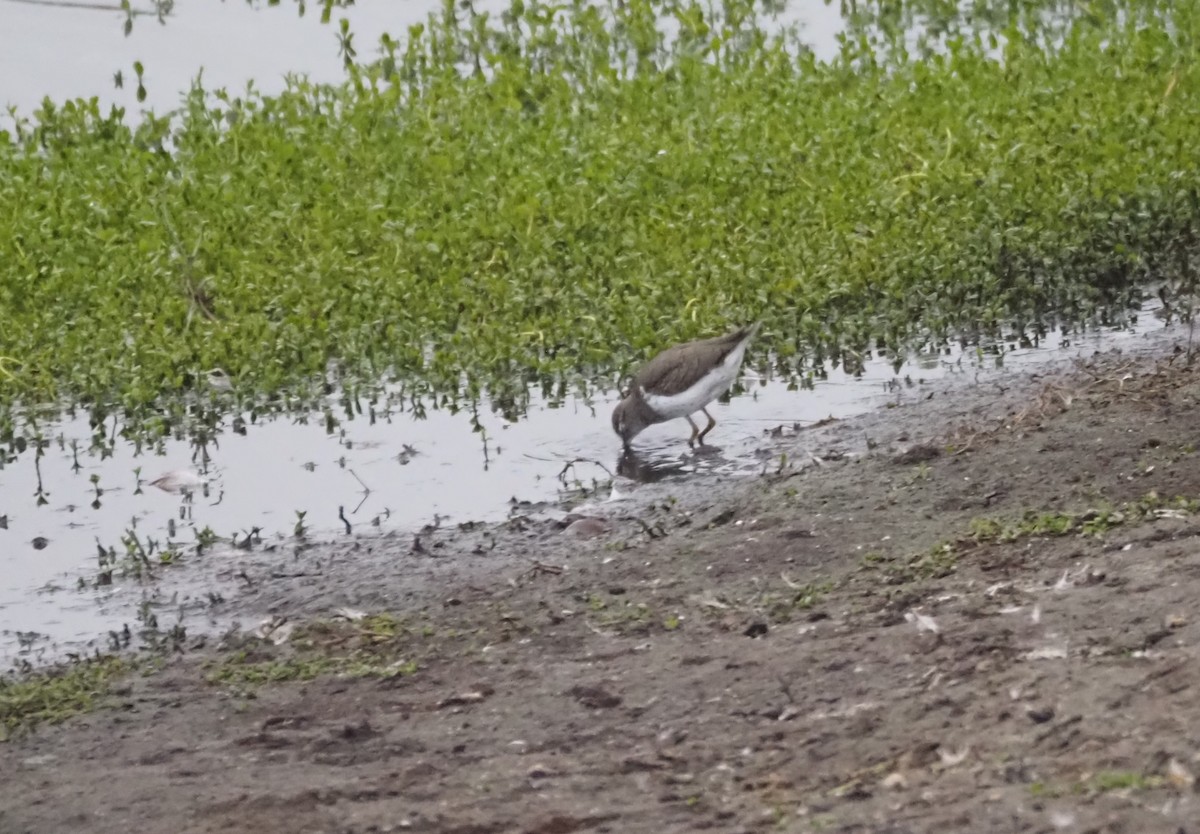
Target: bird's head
(627, 421)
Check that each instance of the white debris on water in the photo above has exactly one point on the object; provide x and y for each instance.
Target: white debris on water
(179, 481)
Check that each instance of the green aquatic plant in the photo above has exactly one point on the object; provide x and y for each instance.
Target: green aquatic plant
(163, 10)
(539, 199)
(54, 695)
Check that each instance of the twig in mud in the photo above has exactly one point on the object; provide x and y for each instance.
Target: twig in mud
(1060, 727)
(566, 466)
(655, 532)
(562, 475)
(1191, 333)
(366, 489)
(785, 471)
(785, 686)
(598, 630)
(966, 445)
(248, 542)
(537, 567)
(791, 583)
(344, 520)
(435, 525)
(1109, 377)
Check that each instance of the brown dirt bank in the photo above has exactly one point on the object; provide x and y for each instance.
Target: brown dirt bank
(977, 613)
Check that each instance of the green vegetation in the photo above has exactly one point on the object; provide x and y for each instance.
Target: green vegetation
(626, 616)
(371, 647)
(245, 669)
(782, 607)
(374, 646)
(52, 696)
(543, 197)
(1101, 782)
(1094, 522)
(942, 559)
(165, 9)
(1113, 780)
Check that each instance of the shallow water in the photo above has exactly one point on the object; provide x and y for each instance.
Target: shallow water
(401, 474)
(64, 52)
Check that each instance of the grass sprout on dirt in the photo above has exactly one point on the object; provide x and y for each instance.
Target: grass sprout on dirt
(55, 695)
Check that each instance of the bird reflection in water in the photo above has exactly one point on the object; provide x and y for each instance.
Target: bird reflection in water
(645, 469)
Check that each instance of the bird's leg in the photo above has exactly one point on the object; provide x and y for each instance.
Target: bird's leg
(708, 428)
(695, 431)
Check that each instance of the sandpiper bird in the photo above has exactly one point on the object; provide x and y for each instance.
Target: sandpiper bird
(680, 381)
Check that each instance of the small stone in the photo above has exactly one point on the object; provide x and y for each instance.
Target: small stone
(672, 736)
(1062, 819)
(756, 630)
(895, 781)
(40, 761)
(952, 758)
(587, 528)
(918, 453)
(1174, 621)
(1040, 715)
(593, 697)
(1179, 776)
(723, 517)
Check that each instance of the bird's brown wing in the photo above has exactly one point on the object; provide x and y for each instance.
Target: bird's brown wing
(680, 367)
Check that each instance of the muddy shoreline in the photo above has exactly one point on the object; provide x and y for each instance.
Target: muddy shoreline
(973, 611)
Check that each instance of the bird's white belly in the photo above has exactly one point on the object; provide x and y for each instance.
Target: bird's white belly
(710, 386)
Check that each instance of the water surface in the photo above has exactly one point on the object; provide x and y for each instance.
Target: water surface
(67, 52)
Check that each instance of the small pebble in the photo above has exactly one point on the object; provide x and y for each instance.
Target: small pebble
(1040, 715)
(587, 528)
